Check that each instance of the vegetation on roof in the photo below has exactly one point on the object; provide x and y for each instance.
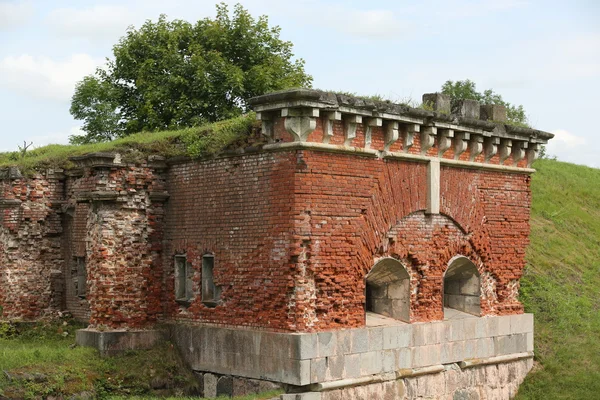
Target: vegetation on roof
(195, 142)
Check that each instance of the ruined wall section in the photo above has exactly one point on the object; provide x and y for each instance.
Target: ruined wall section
(238, 209)
(359, 209)
(30, 253)
(122, 239)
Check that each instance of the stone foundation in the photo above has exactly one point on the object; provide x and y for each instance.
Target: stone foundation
(487, 382)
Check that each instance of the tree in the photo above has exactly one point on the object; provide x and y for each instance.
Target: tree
(466, 90)
(173, 74)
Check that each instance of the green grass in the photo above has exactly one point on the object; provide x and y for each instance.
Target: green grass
(561, 285)
(193, 142)
(40, 360)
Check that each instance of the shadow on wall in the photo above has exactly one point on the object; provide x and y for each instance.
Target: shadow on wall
(388, 289)
(462, 288)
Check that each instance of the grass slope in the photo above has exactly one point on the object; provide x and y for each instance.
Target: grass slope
(561, 285)
(195, 142)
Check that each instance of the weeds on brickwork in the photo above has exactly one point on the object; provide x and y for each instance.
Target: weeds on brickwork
(561, 284)
(193, 142)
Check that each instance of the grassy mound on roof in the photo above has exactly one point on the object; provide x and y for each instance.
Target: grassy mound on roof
(193, 142)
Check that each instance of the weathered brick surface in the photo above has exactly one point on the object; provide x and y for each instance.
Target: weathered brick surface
(29, 246)
(240, 210)
(352, 211)
(293, 233)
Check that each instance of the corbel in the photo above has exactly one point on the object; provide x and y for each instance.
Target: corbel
(350, 125)
(476, 146)
(391, 134)
(532, 153)
(409, 136)
(267, 125)
(370, 123)
(518, 152)
(461, 141)
(505, 149)
(329, 117)
(428, 138)
(490, 148)
(300, 122)
(444, 140)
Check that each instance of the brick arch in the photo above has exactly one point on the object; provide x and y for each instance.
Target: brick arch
(427, 244)
(349, 211)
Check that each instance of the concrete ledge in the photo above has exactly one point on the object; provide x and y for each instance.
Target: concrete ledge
(114, 342)
(495, 360)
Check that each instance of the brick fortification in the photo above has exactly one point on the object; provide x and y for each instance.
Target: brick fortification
(350, 209)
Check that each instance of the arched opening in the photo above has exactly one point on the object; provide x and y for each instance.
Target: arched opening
(462, 287)
(388, 290)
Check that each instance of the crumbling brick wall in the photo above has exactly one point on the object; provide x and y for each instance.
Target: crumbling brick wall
(356, 210)
(240, 210)
(30, 254)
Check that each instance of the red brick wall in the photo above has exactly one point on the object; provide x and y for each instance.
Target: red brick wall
(240, 210)
(355, 210)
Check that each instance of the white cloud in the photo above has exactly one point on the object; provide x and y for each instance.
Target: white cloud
(563, 137)
(99, 23)
(43, 77)
(13, 14)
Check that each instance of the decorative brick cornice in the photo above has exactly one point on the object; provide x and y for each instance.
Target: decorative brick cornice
(478, 129)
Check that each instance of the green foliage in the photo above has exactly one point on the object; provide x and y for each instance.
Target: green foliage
(458, 90)
(561, 282)
(174, 74)
(194, 142)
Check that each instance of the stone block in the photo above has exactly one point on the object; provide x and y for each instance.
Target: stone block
(294, 372)
(303, 346)
(390, 337)
(404, 358)
(335, 368)
(210, 386)
(493, 112)
(504, 345)
(389, 361)
(327, 342)
(351, 366)
(521, 323)
(529, 341)
(424, 356)
(371, 362)
(466, 108)
(405, 335)
(456, 330)
(375, 339)
(318, 370)
(360, 340)
(438, 101)
(344, 342)
(484, 348)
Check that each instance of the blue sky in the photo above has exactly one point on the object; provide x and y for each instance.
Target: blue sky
(542, 54)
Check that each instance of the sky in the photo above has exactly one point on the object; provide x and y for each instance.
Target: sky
(544, 55)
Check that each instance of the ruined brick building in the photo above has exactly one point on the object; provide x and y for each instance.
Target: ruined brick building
(367, 250)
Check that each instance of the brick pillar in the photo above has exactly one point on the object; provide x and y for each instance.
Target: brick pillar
(123, 242)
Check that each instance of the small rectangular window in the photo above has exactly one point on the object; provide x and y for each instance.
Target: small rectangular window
(210, 292)
(183, 279)
(81, 285)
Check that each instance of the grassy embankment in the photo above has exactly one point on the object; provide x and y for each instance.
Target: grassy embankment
(561, 285)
